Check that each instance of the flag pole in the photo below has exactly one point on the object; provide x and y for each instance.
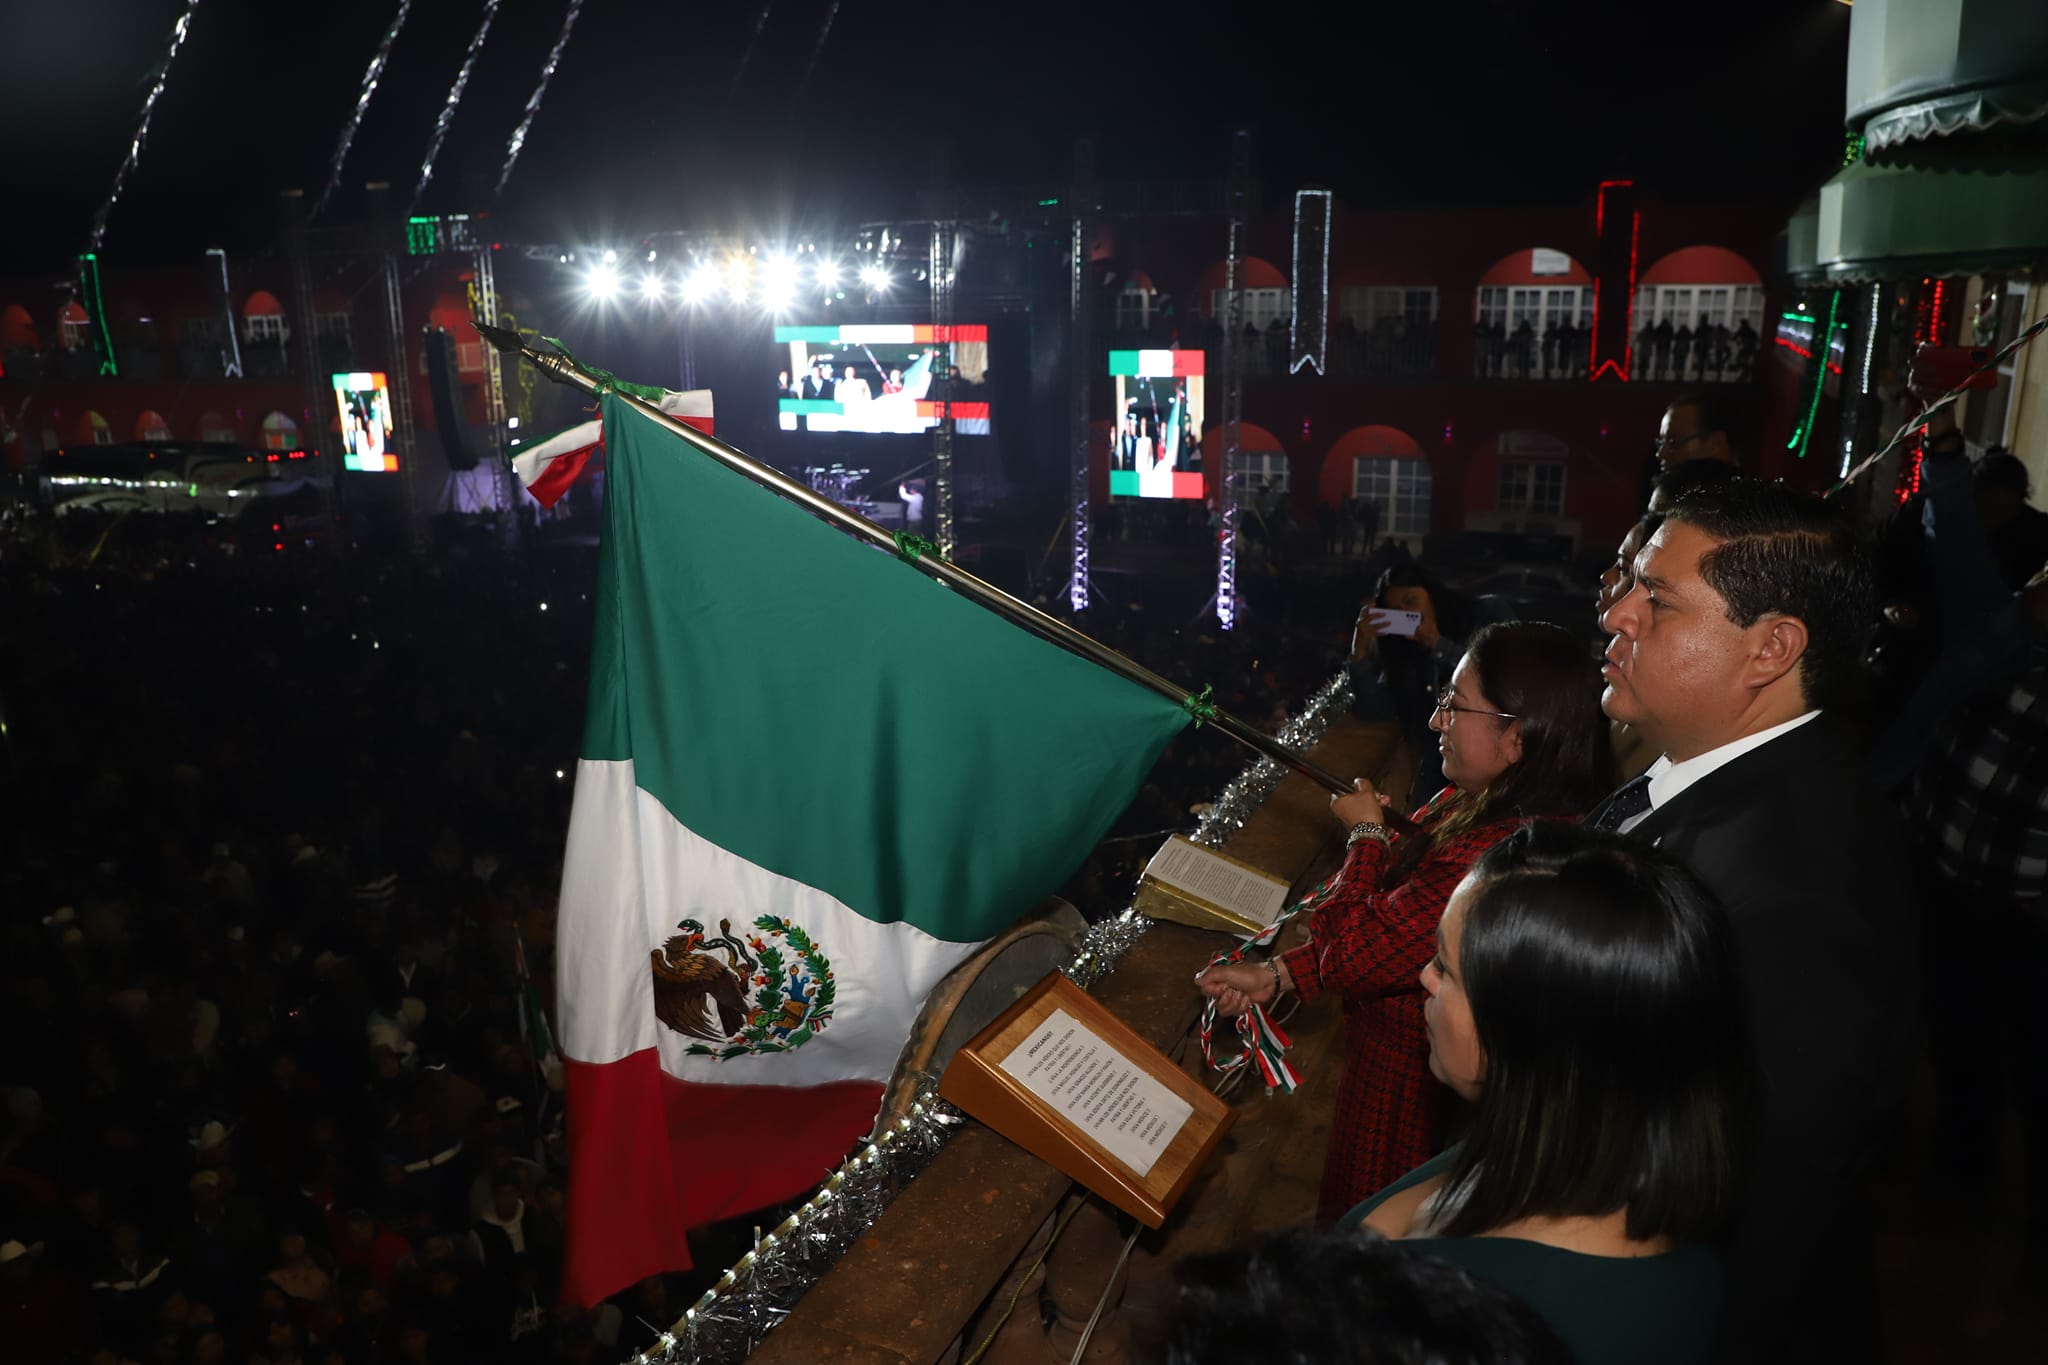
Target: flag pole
(563, 370)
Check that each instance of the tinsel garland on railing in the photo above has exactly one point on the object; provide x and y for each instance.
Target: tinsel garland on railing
(750, 1299)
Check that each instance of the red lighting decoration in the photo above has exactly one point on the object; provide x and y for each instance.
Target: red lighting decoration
(1628, 336)
(1595, 367)
(1796, 349)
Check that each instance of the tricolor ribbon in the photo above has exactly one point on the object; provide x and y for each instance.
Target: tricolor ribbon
(1265, 1044)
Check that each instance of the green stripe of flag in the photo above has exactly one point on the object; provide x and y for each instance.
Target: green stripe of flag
(823, 710)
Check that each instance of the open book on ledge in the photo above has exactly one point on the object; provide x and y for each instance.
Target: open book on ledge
(1190, 884)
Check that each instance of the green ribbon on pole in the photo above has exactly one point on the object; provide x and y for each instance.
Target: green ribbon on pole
(1201, 706)
(646, 393)
(911, 548)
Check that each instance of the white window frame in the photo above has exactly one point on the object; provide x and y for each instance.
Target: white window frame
(333, 327)
(1531, 488)
(1366, 304)
(74, 335)
(265, 329)
(1407, 499)
(1265, 471)
(1687, 305)
(1134, 307)
(1262, 307)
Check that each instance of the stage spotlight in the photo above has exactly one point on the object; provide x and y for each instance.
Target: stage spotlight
(828, 274)
(651, 288)
(739, 273)
(602, 282)
(611, 258)
(875, 277)
(701, 283)
(778, 283)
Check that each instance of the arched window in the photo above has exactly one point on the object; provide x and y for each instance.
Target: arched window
(1135, 303)
(263, 321)
(1532, 468)
(1534, 317)
(18, 329)
(280, 432)
(151, 426)
(1698, 318)
(74, 328)
(1384, 466)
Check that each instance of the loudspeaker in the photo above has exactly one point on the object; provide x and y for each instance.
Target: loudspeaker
(440, 348)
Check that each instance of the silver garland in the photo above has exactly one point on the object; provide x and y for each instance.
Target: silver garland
(447, 114)
(371, 75)
(157, 80)
(750, 1299)
(1249, 789)
(547, 73)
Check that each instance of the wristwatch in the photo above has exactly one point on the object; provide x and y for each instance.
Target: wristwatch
(1366, 829)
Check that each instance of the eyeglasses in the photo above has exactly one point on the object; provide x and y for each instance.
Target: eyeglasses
(1665, 443)
(1445, 704)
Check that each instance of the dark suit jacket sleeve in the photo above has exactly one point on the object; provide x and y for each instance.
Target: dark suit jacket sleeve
(1823, 930)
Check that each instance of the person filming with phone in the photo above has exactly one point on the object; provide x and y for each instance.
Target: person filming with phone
(1409, 637)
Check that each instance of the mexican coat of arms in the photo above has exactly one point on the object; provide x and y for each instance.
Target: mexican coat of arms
(770, 991)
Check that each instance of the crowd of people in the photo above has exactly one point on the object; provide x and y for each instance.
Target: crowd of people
(279, 847)
(1631, 963)
(1632, 985)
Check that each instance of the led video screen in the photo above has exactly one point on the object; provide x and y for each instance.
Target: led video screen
(1155, 439)
(365, 404)
(879, 380)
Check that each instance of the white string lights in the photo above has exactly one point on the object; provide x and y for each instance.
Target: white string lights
(371, 75)
(447, 115)
(157, 80)
(547, 73)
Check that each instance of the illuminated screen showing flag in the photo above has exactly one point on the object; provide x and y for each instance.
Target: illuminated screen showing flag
(364, 402)
(878, 379)
(1155, 441)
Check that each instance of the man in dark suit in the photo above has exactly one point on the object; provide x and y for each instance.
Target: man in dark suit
(1742, 629)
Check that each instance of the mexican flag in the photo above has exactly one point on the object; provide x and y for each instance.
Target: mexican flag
(548, 466)
(812, 782)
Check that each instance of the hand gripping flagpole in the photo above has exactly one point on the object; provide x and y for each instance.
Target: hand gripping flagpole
(562, 369)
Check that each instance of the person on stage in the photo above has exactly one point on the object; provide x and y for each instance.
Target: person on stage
(1522, 737)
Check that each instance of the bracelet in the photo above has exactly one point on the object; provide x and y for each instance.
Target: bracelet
(1273, 966)
(1366, 829)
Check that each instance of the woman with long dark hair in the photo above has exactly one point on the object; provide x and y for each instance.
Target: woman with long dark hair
(1584, 998)
(1522, 737)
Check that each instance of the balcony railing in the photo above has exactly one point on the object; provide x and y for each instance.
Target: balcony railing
(1557, 353)
(1720, 356)
(1397, 352)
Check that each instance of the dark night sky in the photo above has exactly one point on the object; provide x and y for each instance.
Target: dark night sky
(1457, 101)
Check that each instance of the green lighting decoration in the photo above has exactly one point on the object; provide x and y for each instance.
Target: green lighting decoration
(422, 236)
(96, 309)
(1817, 373)
(1853, 152)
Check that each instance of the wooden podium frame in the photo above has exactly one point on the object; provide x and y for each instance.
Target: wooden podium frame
(977, 1083)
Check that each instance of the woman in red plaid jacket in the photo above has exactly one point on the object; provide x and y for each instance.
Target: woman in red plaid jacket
(1522, 738)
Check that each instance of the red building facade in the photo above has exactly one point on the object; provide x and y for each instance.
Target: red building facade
(1484, 370)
